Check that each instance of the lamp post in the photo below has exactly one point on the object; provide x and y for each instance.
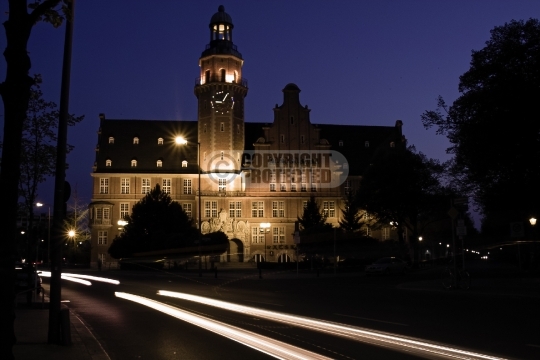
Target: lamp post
(48, 231)
(265, 227)
(181, 141)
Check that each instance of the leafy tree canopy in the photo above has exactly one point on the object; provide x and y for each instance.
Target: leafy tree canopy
(494, 127)
(156, 222)
(403, 187)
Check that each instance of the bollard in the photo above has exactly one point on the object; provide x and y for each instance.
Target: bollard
(65, 326)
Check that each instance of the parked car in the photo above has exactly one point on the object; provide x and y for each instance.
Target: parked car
(387, 265)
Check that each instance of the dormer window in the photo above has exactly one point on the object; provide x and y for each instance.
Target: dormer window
(392, 144)
(108, 162)
(159, 163)
(340, 143)
(160, 141)
(133, 163)
(111, 140)
(135, 141)
(184, 164)
(366, 144)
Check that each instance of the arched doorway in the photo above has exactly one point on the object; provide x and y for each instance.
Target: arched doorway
(235, 252)
(283, 258)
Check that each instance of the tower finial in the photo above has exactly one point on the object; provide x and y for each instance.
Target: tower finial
(221, 8)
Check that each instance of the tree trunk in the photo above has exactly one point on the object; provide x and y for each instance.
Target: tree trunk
(15, 92)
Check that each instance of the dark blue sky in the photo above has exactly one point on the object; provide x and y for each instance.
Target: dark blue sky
(356, 62)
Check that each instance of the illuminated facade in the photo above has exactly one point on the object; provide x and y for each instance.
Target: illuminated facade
(251, 173)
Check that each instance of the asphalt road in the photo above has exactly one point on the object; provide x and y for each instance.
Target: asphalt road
(502, 325)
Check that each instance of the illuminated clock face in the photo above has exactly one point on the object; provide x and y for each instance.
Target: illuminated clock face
(222, 102)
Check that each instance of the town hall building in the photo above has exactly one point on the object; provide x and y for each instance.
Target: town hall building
(250, 180)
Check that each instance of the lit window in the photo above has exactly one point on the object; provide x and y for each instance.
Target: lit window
(222, 184)
(257, 235)
(272, 186)
(235, 209)
(187, 186)
(187, 209)
(124, 210)
(166, 188)
(184, 164)
(159, 163)
(386, 233)
(278, 209)
(104, 186)
(111, 140)
(329, 208)
(293, 187)
(108, 162)
(257, 209)
(304, 204)
(278, 235)
(124, 186)
(102, 237)
(160, 141)
(210, 209)
(145, 188)
(134, 163)
(135, 140)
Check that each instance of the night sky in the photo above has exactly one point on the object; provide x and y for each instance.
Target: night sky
(356, 62)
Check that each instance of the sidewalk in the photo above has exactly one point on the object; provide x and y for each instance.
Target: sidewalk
(31, 329)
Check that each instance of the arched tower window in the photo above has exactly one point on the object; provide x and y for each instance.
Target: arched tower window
(222, 75)
(207, 76)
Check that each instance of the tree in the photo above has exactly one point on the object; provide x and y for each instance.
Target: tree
(156, 223)
(313, 220)
(493, 126)
(350, 220)
(38, 156)
(402, 187)
(15, 92)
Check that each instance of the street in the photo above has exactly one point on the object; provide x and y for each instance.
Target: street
(498, 325)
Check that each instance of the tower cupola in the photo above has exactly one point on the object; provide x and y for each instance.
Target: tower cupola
(221, 41)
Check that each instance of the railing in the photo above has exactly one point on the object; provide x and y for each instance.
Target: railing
(222, 193)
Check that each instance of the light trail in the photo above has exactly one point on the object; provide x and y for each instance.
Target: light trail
(389, 340)
(79, 278)
(275, 348)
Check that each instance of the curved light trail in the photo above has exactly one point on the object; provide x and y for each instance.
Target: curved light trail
(389, 340)
(275, 348)
(79, 278)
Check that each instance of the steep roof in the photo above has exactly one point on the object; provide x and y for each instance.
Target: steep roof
(147, 152)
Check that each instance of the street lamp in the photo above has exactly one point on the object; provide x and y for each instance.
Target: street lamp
(181, 141)
(265, 227)
(532, 221)
(48, 232)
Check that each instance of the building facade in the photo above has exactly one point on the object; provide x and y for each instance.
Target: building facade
(231, 175)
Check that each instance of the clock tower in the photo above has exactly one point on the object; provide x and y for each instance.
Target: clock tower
(220, 91)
